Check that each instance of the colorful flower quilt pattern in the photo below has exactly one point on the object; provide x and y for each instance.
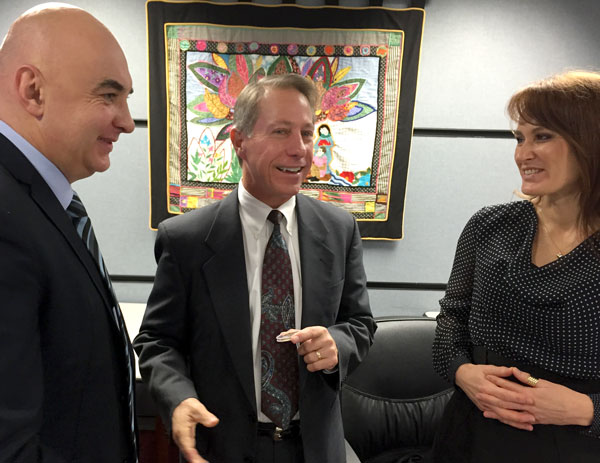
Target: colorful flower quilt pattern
(358, 75)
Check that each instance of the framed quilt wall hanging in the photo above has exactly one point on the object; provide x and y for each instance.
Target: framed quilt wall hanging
(364, 62)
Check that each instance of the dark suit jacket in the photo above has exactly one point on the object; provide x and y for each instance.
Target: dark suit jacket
(195, 340)
(62, 393)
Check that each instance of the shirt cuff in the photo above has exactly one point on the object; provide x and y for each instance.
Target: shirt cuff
(594, 428)
(454, 365)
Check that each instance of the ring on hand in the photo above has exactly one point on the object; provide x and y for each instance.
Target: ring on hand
(318, 355)
(532, 381)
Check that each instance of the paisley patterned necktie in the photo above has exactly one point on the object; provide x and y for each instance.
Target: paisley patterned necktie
(279, 361)
(83, 225)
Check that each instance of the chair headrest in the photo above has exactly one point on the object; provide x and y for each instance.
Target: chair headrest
(399, 364)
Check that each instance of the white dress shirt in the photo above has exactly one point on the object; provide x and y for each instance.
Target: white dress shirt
(257, 230)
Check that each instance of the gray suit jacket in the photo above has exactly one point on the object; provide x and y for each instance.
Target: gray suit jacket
(195, 340)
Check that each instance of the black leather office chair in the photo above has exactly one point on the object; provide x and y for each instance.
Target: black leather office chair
(392, 403)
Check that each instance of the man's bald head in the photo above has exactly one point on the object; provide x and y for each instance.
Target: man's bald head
(35, 33)
(58, 60)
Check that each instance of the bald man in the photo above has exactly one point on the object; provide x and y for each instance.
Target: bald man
(66, 392)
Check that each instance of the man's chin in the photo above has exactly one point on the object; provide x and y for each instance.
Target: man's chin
(99, 167)
(103, 168)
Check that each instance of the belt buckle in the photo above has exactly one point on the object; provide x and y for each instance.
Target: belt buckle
(278, 434)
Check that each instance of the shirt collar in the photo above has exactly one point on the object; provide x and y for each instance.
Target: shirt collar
(55, 179)
(254, 212)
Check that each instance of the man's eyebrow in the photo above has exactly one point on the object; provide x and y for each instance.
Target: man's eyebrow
(111, 83)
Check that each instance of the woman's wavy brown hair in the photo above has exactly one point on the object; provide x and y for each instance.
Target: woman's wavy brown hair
(569, 104)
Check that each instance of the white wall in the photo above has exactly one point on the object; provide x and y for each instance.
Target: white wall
(475, 54)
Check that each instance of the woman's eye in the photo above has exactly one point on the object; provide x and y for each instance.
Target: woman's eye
(543, 136)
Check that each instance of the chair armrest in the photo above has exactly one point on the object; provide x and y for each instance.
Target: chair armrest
(351, 456)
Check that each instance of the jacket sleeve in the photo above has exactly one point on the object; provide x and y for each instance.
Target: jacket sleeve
(162, 340)
(21, 388)
(355, 327)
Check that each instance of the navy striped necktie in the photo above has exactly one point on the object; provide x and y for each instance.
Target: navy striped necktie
(83, 225)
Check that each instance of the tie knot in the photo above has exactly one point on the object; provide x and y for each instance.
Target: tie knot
(275, 216)
(76, 208)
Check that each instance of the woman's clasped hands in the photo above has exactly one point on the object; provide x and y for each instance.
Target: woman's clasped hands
(517, 403)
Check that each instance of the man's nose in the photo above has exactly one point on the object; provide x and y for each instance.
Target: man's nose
(124, 120)
(295, 143)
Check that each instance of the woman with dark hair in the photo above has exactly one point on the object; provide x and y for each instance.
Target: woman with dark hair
(519, 328)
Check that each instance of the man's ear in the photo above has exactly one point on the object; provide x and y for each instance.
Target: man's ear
(237, 139)
(28, 80)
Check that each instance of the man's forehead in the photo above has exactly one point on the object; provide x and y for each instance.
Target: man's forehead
(276, 92)
(290, 123)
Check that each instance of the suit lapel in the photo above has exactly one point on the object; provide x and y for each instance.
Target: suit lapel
(225, 273)
(56, 214)
(316, 260)
(18, 165)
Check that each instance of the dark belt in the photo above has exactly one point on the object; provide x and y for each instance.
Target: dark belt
(276, 433)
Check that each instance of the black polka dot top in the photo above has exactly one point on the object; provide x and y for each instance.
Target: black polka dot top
(496, 297)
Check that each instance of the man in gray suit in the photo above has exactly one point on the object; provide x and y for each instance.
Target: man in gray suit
(206, 347)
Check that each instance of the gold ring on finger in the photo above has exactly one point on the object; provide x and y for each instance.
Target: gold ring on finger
(532, 381)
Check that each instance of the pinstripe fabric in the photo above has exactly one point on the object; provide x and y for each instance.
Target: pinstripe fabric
(83, 225)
